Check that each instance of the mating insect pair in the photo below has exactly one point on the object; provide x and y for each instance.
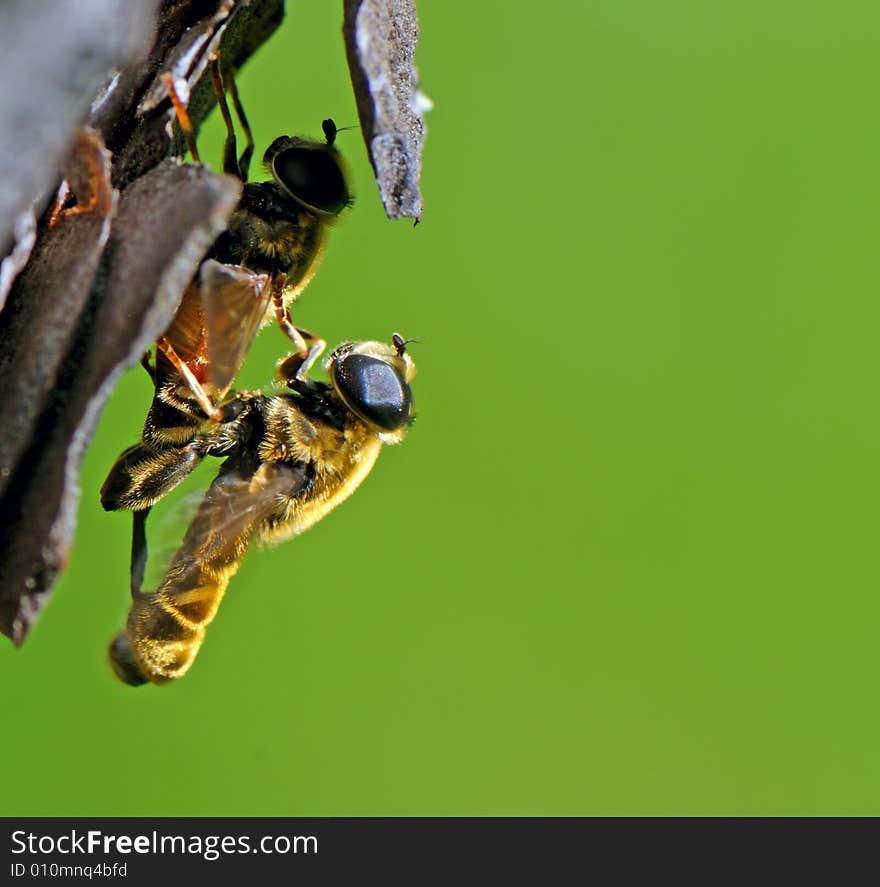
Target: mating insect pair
(289, 458)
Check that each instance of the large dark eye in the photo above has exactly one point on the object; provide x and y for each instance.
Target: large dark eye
(374, 390)
(312, 176)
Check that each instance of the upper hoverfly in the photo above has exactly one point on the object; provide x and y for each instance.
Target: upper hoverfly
(270, 251)
(290, 460)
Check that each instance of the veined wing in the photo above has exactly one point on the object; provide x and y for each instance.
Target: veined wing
(187, 331)
(165, 630)
(235, 506)
(234, 301)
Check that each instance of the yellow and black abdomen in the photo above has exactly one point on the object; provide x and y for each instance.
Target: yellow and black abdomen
(165, 629)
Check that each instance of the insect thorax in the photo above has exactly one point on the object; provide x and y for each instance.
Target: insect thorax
(270, 233)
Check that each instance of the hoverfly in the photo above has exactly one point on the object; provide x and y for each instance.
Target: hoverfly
(290, 459)
(270, 251)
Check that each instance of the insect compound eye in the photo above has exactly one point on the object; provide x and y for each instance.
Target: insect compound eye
(374, 390)
(314, 177)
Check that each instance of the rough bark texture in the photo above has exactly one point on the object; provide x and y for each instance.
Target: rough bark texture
(55, 57)
(46, 296)
(380, 40)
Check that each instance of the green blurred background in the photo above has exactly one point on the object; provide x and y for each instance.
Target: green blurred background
(625, 561)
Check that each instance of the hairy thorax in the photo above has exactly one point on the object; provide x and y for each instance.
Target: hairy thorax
(341, 458)
(271, 233)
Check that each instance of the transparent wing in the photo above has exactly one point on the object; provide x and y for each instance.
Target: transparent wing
(234, 301)
(187, 331)
(237, 504)
(168, 524)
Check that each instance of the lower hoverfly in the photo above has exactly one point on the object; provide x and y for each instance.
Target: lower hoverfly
(290, 459)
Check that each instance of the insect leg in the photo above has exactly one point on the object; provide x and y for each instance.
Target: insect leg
(195, 386)
(315, 351)
(282, 314)
(145, 363)
(230, 166)
(138, 550)
(183, 120)
(295, 367)
(244, 162)
(142, 475)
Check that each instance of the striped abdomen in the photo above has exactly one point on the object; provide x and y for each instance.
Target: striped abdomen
(165, 629)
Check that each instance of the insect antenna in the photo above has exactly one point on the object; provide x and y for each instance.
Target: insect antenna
(331, 130)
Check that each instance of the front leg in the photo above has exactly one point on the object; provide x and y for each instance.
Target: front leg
(295, 367)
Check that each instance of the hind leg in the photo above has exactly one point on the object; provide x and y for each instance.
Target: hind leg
(142, 476)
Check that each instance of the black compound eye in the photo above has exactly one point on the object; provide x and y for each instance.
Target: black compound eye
(312, 176)
(374, 390)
